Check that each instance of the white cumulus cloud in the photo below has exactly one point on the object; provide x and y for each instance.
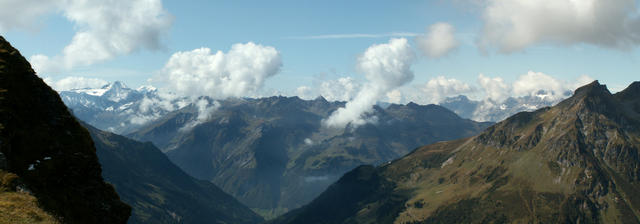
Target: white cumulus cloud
(386, 67)
(308, 141)
(305, 92)
(439, 88)
(532, 83)
(240, 72)
(205, 110)
(513, 25)
(341, 89)
(395, 96)
(439, 40)
(104, 29)
(73, 82)
(495, 88)
(20, 14)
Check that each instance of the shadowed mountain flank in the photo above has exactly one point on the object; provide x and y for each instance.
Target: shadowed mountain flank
(49, 151)
(157, 190)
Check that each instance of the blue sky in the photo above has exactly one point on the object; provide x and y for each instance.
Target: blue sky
(296, 29)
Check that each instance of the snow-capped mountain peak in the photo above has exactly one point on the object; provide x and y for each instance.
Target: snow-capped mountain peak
(90, 91)
(489, 110)
(118, 108)
(117, 91)
(116, 88)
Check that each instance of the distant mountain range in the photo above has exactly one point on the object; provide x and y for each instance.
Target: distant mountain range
(117, 108)
(209, 146)
(576, 162)
(273, 154)
(494, 111)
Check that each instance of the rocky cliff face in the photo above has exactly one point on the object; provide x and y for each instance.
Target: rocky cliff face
(576, 162)
(48, 149)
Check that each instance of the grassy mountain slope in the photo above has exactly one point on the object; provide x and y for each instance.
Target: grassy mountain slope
(576, 162)
(19, 207)
(48, 150)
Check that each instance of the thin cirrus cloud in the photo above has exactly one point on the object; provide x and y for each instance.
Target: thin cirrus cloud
(355, 36)
(104, 29)
(240, 72)
(386, 67)
(513, 25)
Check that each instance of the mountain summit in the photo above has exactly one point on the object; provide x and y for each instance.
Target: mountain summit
(116, 107)
(576, 162)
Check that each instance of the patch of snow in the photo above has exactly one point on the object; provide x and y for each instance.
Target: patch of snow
(119, 96)
(544, 96)
(125, 106)
(146, 88)
(93, 92)
(530, 107)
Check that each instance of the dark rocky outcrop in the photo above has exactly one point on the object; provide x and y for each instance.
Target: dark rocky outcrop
(48, 149)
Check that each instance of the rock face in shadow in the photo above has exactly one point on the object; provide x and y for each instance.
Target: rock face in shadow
(48, 149)
(576, 162)
(158, 190)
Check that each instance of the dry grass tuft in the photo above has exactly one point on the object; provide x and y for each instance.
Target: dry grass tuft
(19, 207)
